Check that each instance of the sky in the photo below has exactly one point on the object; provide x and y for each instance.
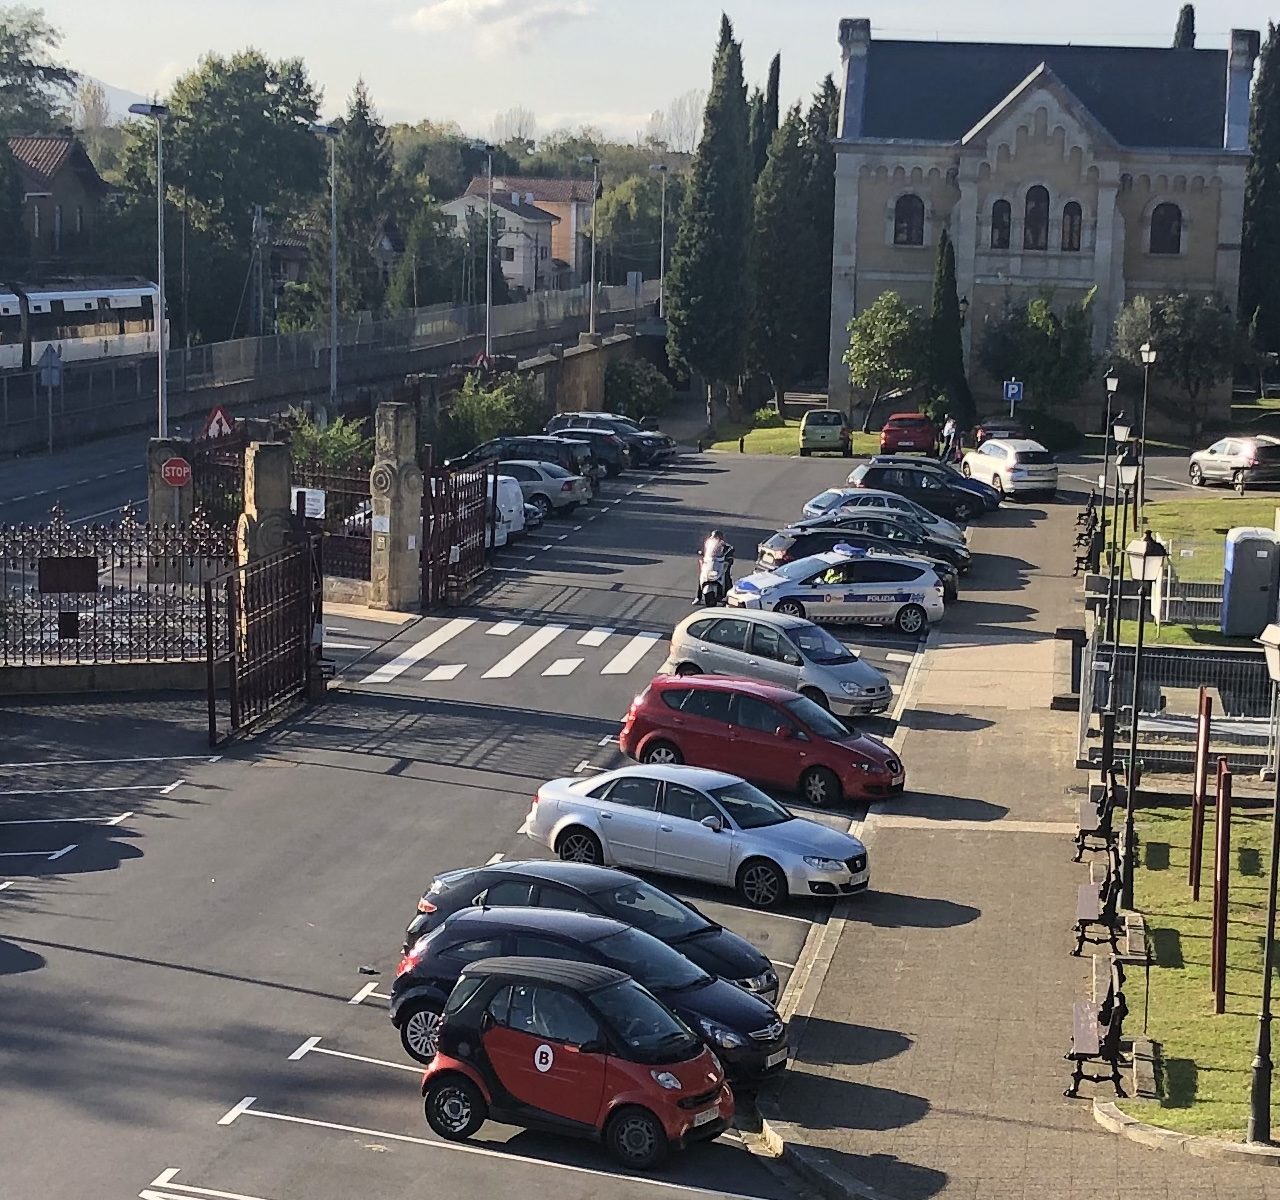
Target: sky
(608, 63)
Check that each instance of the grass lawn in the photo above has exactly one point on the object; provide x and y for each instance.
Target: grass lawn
(785, 439)
(1204, 1070)
(1195, 529)
(1180, 635)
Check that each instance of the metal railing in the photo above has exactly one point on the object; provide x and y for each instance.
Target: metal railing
(347, 523)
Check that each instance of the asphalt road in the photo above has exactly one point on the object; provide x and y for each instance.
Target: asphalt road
(91, 482)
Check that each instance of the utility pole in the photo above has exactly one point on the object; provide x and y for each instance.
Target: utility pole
(595, 192)
(158, 112)
(487, 150)
(331, 133)
(661, 168)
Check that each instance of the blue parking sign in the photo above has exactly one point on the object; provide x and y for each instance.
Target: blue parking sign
(1013, 390)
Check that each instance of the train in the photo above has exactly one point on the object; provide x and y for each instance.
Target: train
(83, 319)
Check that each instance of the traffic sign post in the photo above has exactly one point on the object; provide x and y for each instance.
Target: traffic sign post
(49, 369)
(1013, 393)
(176, 472)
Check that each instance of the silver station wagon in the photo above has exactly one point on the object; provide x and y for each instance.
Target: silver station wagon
(776, 648)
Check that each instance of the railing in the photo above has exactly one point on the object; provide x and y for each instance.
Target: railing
(348, 517)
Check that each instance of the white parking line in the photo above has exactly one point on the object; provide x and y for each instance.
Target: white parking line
(524, 828)
(336, 629)
(364, 993)
(8, 883)
(507, 666)
(563, 666)
(608, 739)
(417, 652)
(173, 787)
(584, 765)
(141, 787)
(896, 656)
(328, 645)
(451, 671)
(630, 654)
(232, 1113)
(99, 762)
(40, 853)
(312, 1046)
(69, 820)
(777, 962)
(597, 636)
(494, 858)
(165, 1179)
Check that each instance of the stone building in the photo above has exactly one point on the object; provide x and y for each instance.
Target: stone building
(1051, 167)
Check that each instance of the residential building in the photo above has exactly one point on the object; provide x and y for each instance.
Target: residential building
(1059, 168)
(62, 193)
(524, 233)
(568, 200)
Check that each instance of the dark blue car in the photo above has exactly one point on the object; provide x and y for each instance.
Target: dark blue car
(990, 497)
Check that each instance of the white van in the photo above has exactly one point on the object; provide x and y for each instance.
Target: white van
(510, 522)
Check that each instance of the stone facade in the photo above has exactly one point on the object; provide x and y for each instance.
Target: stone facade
(1055, 168)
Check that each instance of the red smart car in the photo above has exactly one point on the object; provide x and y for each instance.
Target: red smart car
(576, 1048)
(904, 432)
(761, 732)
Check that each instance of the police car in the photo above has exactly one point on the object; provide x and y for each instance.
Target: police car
(847, 584)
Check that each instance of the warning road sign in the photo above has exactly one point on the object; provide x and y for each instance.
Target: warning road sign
(218, 425)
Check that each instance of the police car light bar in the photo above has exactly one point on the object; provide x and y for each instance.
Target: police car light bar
(850, 551)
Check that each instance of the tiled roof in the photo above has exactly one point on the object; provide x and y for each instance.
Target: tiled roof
(502, 200)
(544, 191)
(1143, 96)
(42, 156)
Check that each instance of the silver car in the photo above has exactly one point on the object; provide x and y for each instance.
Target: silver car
(548, 486)
(1238, 461)
(849, 499)
(697, 824)
(777, 648)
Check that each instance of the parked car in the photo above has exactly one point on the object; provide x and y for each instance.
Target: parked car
(998, 427)
(606, 892)
(825, 430)
(573, 455)
(1015, 467)
(741, 1028)
(573, 1048)
(926, 487)
(506, 517)
(909, 431)
(698, 824)
(819, 537)
(776, 648)
(648, 447)
(1238, 461)
(609, 449)
(984, 491)
(766, 733)
(532, 517)
(853, 498)
(899, 529)
(548, 486)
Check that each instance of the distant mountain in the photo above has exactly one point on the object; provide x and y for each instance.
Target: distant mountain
(119, 98)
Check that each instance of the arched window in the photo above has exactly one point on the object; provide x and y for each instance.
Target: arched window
(1072, 221)
(1166, 229)
(908, 221)
(1035, 230)
(1000, 221)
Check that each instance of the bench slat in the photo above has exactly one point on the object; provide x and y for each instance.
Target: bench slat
(1084, 1030)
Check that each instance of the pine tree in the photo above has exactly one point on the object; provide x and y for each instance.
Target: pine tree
(814, 236)
(772, 114)
(778, 281)
(1260, 241)
(708, 293)
(757, 133)
(430, 269)
(946, 351)
(13, 232)
(1184, 37)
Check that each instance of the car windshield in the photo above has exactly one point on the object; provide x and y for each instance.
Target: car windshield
(802, 568)
(817, 718)
(779, 541)
(818, 646)
(825, 418)
(647, 908)
(651, 1032)
(650, 962)
(828, 499)
(555, 470)
(750, 807)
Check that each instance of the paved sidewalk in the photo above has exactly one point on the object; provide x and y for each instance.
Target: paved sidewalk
(932, 1062)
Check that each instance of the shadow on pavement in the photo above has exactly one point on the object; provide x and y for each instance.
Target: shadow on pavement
(935, 806)
(892, 910)
(815, 1101)
(923, 718)
(831, 1042)
(16, 959)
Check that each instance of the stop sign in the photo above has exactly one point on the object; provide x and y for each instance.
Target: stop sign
(176, 472)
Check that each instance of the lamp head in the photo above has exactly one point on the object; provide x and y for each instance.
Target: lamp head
(1269, 640)
(1148, 352)
(1113, 382)
(1127, 468)
(156, 111)
(1146, 558)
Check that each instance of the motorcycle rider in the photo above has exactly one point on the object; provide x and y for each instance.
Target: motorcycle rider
(714, 547)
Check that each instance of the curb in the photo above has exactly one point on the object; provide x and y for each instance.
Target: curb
(1153, 1136)
(809, 1163)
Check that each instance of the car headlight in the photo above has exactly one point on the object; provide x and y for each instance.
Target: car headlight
(851, 689)
(719, 1036)
(764, 982)
(824, 864)
(667, 1080)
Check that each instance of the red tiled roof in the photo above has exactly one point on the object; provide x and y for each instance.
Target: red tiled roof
(544, 191)
(42, 156)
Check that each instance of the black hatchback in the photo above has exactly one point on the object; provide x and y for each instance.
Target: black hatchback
(604, 892)
(925, 486)
(573, 455)
(745, 1032)
(609, 449)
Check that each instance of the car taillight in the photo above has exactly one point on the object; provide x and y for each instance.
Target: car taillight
(567, 485)
(535, 800)
(425, 906)
(407, 963)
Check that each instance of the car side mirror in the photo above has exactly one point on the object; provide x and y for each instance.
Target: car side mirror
(712, 823)
(791, 660)
(486, 1021)
(782, 732)
(595, 1046)
(1211, 450)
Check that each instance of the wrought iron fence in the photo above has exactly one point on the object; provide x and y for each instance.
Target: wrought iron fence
(348, 516)
(458, 513)
(126, 592)
(217, 476)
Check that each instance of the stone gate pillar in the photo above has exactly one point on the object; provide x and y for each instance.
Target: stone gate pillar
(167, 505)
(395, 485)
(266, 524)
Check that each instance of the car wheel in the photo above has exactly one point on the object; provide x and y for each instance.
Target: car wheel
(789, 608)
(820, 787)
(635, 1137)
(420, 1033)
(964, 511)
(684, 669)
(847, 450)
(761, 884)
(542, 504)
(911, 620)
(803, 452)
(454, 1107)
(576, 844)
(1237, 480)
(817, 696)
(964, 470)
(1197, 475)
(998, 484)
(662, 754)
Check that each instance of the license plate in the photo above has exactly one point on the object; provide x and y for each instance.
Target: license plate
(775, 1058)
(706, 1116)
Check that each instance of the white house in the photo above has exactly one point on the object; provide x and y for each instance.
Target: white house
(522, 231)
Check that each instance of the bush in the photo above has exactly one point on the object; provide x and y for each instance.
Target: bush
(1053, 433)
(636, 390)
(490, 408)
(767, 418)
(340, 444)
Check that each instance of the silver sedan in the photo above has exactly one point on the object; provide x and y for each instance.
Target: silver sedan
(547, 486)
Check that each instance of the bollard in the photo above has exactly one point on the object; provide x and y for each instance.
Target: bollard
(1199, 787)
(1221, 881)
(742, 445)
(699, 445)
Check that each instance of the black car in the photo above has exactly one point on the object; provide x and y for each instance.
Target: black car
(929, 488)
(745, 1032)
(796, 541)
(574, 456)
(900, 530)
(999, 427)
(606, 892)
(648, 447)
(946, 471)
(609, 449)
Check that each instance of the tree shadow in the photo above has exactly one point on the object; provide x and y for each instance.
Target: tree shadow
(817, 1101)
(828, 1043)
(934, 806)
(881, 1175)
(893, 910)
(15, 959)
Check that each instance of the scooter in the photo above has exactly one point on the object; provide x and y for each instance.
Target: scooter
(713, 575)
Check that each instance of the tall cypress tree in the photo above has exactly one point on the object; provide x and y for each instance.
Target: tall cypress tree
(13, 233)
(1184, 37)
(946, 351)
(814, 235)
(772, 114)
(708, 292)
(1260, 241)
(758, 133)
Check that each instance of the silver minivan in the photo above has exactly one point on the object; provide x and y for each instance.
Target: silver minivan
(777, 648)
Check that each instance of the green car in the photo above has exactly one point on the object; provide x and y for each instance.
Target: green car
(825, 430)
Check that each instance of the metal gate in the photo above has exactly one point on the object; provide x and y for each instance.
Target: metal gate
(217, 476)
(272, 613)
(459, 510)
(348, 516)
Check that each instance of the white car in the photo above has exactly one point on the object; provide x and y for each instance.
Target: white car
(1013, 466)
(849, 585)
(698, 824)
(852, 499)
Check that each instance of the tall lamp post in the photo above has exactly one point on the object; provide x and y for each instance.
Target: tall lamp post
(487, 150)
(661, 168)
(330, 133)
(1148, 353)
(594, 163)
(1113, 383)
(1126, 468)
(157, 113)
(1146, 562)
(1259, 1128)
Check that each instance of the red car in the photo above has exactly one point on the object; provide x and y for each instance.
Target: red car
(761, 732)
(909, 431)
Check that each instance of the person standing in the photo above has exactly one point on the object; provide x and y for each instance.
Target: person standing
(949, 433)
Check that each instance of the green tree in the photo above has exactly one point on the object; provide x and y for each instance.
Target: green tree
(778, 285)
(888, 349)
(764, 116)
(630, 216)
(1049, 352)
(339, 444)
(35, 89)
(946, 350)
(814, 235)
(708, 299)
(636, 389)
(1184, 37)
(430, 269)
(1260, 240)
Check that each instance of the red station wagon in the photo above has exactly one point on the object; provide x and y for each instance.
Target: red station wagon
(909, 431)
(761, 732)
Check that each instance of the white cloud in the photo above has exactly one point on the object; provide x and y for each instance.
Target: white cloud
(494, 24)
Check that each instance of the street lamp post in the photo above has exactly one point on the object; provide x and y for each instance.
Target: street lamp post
(1146, 562)
(1148, 353)
(1259, 1127)
(330, 134)
(1126, 466)
(594, 163)
(1113, 383)
(158, 112)
(662, 242)
(487, 150)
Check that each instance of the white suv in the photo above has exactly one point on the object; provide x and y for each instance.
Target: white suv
(1013, 466)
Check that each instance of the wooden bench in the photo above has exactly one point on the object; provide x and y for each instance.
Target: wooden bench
(1100, 905)
(1095, 819)
(1094, 1040)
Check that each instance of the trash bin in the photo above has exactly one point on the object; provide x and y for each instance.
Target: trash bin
(1251, 581)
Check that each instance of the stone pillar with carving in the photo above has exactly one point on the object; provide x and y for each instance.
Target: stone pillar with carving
(395, 484)
(266, 524)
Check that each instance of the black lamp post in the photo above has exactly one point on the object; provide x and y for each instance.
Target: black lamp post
(1148, 353)
(1126, 465)
(1259, 1128)
(1146, 562)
